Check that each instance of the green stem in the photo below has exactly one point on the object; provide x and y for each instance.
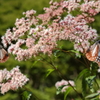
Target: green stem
(69, 52)
(60, 74)
(65, 78)
(53, 66)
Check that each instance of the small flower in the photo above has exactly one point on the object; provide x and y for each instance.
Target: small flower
(29, 13)
(30, 42)
(65, 84)
(60, 83)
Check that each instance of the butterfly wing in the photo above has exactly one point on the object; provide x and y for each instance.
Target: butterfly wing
(98, 56)
(92, 53)
(3, 55)
(95, 49)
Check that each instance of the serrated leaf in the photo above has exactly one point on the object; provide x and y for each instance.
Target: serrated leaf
(26, 95)
(67, 92)
(92, 95)
(49, 71)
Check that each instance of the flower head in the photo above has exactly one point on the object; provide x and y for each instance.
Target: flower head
(65, 84)
(14, 79)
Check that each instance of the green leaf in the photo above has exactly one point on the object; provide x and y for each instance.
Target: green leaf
(67, 92)
(83, 72)
(49, 71)
(78, 54)
(35, 62)
(92, 95)
(26, 95)
(90, 81)
(74, 51)
(84, 86)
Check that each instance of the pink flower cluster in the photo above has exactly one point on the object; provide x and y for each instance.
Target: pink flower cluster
(11, 80)
(39, 34)
(91, 7)
(78, 31)
(65, 84)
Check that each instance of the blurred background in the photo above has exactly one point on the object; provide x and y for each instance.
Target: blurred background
(36, 68)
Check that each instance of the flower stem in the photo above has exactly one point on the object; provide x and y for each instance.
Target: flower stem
(60, 74)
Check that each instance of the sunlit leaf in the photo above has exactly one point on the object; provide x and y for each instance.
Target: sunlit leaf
(26, 95)
(49, 71)
(92, 95)
(35, 62)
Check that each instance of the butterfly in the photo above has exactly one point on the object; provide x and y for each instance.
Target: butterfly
(93, 53)
(3, 55)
